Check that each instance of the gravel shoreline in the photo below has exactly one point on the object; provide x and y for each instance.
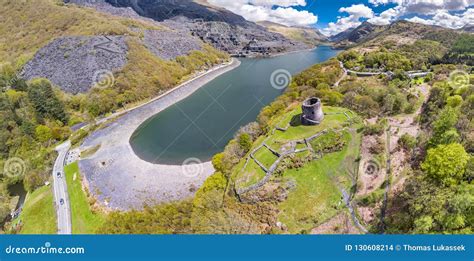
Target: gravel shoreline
(119, 179)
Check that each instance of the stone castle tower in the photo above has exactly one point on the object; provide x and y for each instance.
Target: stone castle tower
(312, 111)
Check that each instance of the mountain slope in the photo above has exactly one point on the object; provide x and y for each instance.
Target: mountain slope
(398, 33)
(161, 10)
(469, 28)
(362, 33)
(216, 26)
(309, 36)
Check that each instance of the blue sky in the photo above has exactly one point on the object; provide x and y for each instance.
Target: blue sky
(327, 11)
(334, 16)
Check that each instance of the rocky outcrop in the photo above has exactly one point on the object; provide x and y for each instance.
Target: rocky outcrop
(469, 28)
(361, 33)
(170, 44)
(237, 40)
(73, 63)
(161, 10)
(218, 27)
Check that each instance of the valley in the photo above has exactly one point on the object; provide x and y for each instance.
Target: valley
(186, 118)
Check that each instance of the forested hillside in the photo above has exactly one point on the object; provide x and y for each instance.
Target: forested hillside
(36, 115)
(407, 139)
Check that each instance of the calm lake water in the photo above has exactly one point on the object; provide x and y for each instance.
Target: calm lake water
(203, 123)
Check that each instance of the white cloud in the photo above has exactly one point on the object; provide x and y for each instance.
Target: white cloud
(356, 12)
(386, 17)
(384, 2)
(433, 6)
(445, 19)
(282, 3)
(277, 11)
(440, 12)
(426, 6)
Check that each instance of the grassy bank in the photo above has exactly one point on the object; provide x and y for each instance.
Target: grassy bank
(38, 215)
(84, 219)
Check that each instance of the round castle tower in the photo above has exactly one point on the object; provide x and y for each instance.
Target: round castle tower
(312, 111)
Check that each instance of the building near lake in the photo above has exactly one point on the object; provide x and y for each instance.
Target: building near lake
(312, 111)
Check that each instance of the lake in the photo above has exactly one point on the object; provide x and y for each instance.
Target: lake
(203, 123)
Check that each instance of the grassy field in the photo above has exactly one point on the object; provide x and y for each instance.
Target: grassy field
(84, 220)
(253, 172)
(38, 215)
(299, 131)
(248, 176)
(316, 197)
(265, 156)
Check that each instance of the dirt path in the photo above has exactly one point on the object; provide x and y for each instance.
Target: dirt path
(396, 157)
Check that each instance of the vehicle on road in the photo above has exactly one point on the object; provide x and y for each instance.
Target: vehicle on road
(61, 201)
(58, 174)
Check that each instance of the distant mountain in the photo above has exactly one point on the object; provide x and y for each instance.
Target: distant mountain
(160, 10)
(468, 28)
(342, 35)
(399, 32)
(359, 34)
(216, 26)
(310, 36)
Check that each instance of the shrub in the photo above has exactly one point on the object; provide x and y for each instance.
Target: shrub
(446, 163)
(245, 142)
(329, 142)
(374, 129)
(407, 141)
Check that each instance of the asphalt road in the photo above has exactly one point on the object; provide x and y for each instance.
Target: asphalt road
(63, 210)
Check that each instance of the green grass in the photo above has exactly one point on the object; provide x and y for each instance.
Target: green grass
(316, 197)
(253, 173)
(302, 131)
(250, 175)
(265, 156)
(84, 220)
(38, 215)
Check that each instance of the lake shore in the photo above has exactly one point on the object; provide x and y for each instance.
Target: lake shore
(119, 179)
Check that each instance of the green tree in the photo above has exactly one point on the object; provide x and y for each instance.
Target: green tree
(4, 201)
(446, 163)
(443, 127)
(217, 162)
(245, 141)
(454, 101)
(407, 141)
(469, 174)
(43, 133)
(424, 207)
(45, 101)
